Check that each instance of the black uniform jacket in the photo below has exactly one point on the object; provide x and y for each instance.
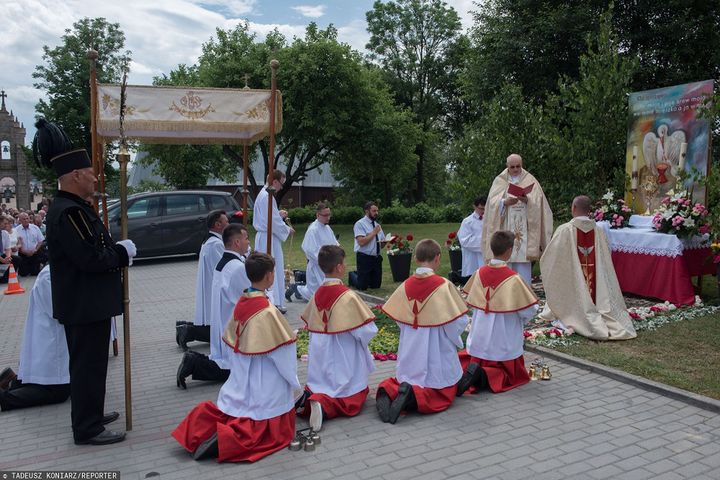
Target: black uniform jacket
(85, 263)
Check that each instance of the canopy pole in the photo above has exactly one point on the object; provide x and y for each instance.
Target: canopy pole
(92, 56)
(245, 183)
(271, 150)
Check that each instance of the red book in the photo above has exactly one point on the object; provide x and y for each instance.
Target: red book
(517, 191)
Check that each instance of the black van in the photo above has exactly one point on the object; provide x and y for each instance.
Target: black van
(169, 222)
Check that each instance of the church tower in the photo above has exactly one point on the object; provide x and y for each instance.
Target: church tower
(13, 163)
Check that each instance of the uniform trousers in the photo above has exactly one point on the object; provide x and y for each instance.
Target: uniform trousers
(88, 350)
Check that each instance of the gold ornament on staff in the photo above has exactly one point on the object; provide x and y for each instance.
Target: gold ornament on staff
(123, 159)
(649, 187)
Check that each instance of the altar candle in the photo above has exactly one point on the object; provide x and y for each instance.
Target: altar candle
(634, 176)
(683, 154)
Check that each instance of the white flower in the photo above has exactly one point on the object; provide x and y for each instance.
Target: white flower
(609, 196)
(689, 222)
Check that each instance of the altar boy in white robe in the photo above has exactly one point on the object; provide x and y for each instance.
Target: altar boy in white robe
(43, 370)
(503, 304)
(319, 233)
(341, 326)
(229, 282)
(255, 412)
(431, 315)
(581, 287)
(470, 237)
(210, 254)
(280, 232)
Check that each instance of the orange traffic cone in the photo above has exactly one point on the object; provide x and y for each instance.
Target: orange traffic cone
(13, 284)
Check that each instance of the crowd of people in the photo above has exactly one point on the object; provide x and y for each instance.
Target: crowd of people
(22, 240)
(240, 312)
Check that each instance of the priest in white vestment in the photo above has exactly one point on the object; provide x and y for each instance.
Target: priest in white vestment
(43, 371)
(470, 238)
(580, 284)
(210, 254)
(280, 232)
(318, 234)
(517, 203)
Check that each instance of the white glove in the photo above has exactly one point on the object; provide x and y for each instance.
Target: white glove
(129, 246)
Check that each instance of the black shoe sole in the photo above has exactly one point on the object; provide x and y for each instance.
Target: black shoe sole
(383, 403)
(207, 449)
(469, 378)
(400, 402)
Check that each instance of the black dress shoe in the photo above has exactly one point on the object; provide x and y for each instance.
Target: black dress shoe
(472, 376)
(283, 310)
(207, 449)
(110, 417)
(183, 335)
(300, 402)
(290, 290)
(403, 401)
(382, 403)
(105, 437)
(7, 376)
(185, 369)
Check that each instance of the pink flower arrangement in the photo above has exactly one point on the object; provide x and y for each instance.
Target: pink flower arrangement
(679, 216)
(614, 211)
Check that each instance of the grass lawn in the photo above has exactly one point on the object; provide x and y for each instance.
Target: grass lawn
(684, 354)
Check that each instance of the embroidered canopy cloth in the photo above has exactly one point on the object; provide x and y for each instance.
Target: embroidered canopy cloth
(187, 115)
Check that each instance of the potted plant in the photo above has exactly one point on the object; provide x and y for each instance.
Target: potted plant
(614, 211)
(453, 245)
(399, 252)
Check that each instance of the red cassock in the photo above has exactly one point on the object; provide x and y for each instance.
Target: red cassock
(336, 407)
(502, 376)
(239, 439)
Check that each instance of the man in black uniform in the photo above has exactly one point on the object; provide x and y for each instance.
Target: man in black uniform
(85, 277)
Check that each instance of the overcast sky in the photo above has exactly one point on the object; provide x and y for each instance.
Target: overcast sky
(160, 33)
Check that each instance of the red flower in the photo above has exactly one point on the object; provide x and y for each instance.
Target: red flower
(634, 315)
(448, 242)
(409, 237)
(391, 356)
(452, 235)
(527, 334)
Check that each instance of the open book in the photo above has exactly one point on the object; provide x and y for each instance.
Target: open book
(517, 191)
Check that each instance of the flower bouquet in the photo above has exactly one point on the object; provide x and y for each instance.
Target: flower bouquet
(399, 245)
(679, 216)
(715, 247)
(615, 212)
(452, 242)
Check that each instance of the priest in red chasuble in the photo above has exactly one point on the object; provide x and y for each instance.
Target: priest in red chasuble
(580, 284)
(517, 203)
(255, 414)
(503, 304)
(341, 326)
(431, 316)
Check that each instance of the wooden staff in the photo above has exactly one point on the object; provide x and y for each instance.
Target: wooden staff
(271, 151)
(98, 160)
(245, 183)
(124, 159)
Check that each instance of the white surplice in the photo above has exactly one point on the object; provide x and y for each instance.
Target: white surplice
(317, 235)
(339, 364)
(210, 254)
(260, 386)
(280, 232)
(44, 355)
(470, 237)
(498, 336)
(228, 285)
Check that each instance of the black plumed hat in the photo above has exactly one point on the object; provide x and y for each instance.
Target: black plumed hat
(53, 149)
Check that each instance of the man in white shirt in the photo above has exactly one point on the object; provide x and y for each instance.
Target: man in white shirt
(280, 232)
(32, 251)
(470, 237)
(318, 234)
(210, 254)
(369, 239)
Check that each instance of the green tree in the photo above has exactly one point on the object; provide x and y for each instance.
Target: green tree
(65, 75)
(419, 45)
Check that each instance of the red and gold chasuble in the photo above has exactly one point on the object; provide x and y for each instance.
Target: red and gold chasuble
(335, 309)
(426, 300)
(257, 327)
(586, 254)
(499, 289)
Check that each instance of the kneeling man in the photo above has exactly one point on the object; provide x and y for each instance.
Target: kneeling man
(581, 287)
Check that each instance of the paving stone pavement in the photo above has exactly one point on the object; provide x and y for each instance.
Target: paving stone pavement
(579, 425)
